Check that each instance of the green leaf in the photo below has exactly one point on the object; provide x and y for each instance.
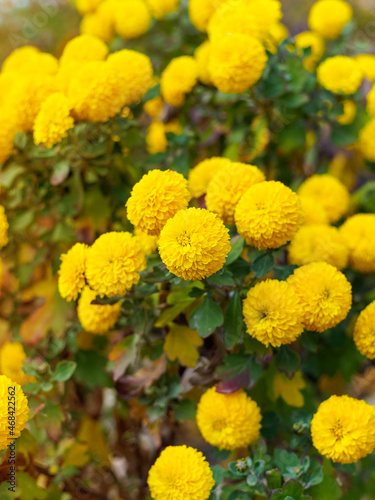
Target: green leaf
(221, 278)
(292, 137)
(284, 459)
(218, 473)
(185, 410)
(237, 244)
(263, 264)
(274, 479)
(64, 371)
(344, 135)
(8, 176)
(283, 272)
(151, 93)
(91, 369)
(206, 317)
(287, 360)
(233, 321)
(60, 172)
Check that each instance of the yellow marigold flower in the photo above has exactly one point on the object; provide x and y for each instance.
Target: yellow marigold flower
(340, 75)
(157, 197)
(180, 472)
(85, 6)
(367, 65)
(272, 313)
(27, 60)
(132, 18)
(53, 120)
(367, 140)
(324, 293)
(135, 71)
(228, 185)
(316, 43)
(359, 234)
(148, 243)
(99, 24)
(21, 410)
(343, 429)
(278, 33)
(318, 243)
(201, 175)
(156, 139)
(8, 130)
(160, 8)
(268, 215)
(364, 332)
(236, 63)
(72, 272)
(84, 48)
(201, 11)
(12, 356)
(329, 17)
(4, 226)
(350, 110)
(178, 79)
(96, 318)
(314, 211)
(228, 421)
(253, 18)
(329, 192)
(202, 55)
(194, 244)
(113, 263)
(154, 106)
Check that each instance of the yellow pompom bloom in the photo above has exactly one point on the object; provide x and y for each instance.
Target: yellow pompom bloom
(324, 294)
(340, 75)
(157, 197)
(201, 175)
(318, 243)
(314, 211)
(359, 234)
(273, 314)
(228, 421)
(329, 192)
(8, 130)
(367, 65)
(278, 33)
(367, 140)
(268, 215)
(329, 17)
(201, 11)
(180, 473)
(12, 356)
(156, 139)
(113, 263)
(202, 56)
(227, 187)
(84, 48)
(236, 63)
(28, 60)
(72, 272)
(99, 24)
(132, 18)
(4, 226)
(85, 6)
(160, 8)
(9, 388)
(178, 79)
(194, 244)
(343, 429)
(53, 120)
(96, 318)
(316, 43)
(364, 332)
(154, 106)
(148, 243)
(350, 110)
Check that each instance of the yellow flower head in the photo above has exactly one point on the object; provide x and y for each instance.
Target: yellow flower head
(367, 65)
(236, 63)
(154, 106)
(227, 187)
(8, 130)
(350, 110)
(314, 211)
(180, 473)
(278, 33)
(316, 43)
(84, 48)
(272, 313)
(21, 410)
(329, 192)
(85, 6)
(329, 17)
(113, 263)
(96, 318)
(268, 215)
(340, 75)
(28, 60)
(318, 243)
(324, 294)
(4, 226)
(148, 243)
(367, 140)
(194, 244)
(201, 11)
(12, 356)
(202, 56)
(364, 332)
(157, 197)
(202, 174)
(99, 24)
(359, 235)
(343, 429)
(156, 138)
(160, 8)
(228, 421)
(178, 79)
(53, 120)
(72, 272)
(132, 18)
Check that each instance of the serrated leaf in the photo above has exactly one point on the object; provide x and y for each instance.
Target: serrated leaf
(206, 317)
(181, 342)
(233, 321)
(186, 409)
(263, 264)
(64, 370)
(287, 360)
